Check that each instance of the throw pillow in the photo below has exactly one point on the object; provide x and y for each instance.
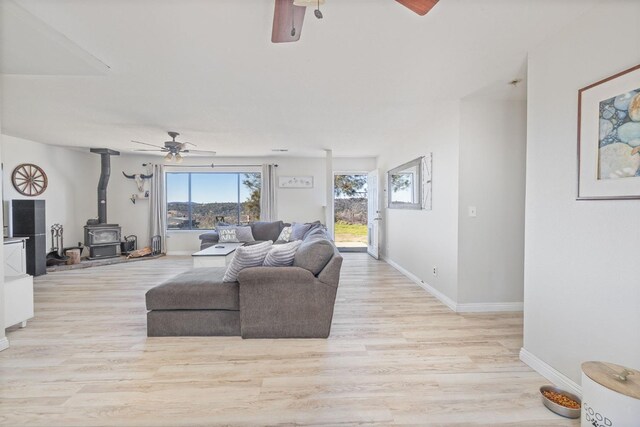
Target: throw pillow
(282, 255)
(285, 235)
(298, 230)
(227, 235)
(245, 257)
(263, 230)
(316, 233)
(315, 226)
(244, 234)
(314, 255)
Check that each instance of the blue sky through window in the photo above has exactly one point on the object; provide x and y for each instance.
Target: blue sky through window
(205, 187)
(212, 195)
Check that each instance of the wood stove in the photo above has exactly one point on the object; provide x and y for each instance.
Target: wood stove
(102, 239)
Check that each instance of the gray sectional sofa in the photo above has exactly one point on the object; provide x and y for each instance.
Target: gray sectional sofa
(265, 302)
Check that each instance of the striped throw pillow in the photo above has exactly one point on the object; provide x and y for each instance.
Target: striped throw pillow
(245, 257)
(282, 255)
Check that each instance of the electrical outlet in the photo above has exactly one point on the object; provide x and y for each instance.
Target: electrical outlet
(435, 271)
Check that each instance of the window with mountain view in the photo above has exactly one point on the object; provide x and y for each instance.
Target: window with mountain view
(199, 200)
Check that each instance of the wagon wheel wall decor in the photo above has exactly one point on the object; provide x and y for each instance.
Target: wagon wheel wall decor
(29, 179)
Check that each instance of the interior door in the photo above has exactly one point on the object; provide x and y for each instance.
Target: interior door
(373, 214)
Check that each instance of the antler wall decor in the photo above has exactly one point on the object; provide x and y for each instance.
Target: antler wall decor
(139, 179)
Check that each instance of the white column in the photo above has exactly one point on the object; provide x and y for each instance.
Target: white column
(329, 192)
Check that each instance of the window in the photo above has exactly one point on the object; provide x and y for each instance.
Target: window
(199, 200)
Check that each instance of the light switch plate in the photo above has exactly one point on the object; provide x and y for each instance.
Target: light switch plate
(472, 211)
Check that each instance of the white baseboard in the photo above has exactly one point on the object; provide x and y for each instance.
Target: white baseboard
(415, 279)
(4, 343)
(487, 307)
(180, 252)
(550, 373)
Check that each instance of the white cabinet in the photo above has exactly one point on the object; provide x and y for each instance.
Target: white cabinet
(18, 300)
(15, 263)
(18, 285)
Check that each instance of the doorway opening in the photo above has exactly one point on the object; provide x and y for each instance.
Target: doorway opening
(350, 203)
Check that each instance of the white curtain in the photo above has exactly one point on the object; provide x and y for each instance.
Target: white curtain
(268, 193)
(158, 206)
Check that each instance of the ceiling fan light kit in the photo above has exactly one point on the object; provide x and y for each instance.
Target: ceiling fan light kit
(311, 3)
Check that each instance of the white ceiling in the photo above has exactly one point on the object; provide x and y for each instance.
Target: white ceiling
(207, 68)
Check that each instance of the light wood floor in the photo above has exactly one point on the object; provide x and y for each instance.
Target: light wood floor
(396, 356)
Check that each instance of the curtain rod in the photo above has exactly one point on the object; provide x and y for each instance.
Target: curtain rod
(212, 165)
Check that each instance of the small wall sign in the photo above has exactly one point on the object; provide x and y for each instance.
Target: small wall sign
(295, 181)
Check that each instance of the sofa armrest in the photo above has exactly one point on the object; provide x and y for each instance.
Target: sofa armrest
(208, 239)
(330, 274)
(211, 237)
(284, 302)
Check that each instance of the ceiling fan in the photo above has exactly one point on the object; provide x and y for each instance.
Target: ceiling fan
(174, 148)
(288, 16)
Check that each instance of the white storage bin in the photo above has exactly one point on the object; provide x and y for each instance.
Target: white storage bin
(607, 400)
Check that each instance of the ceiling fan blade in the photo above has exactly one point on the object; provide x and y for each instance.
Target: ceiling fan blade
(287, 22)
(146, 143)
(421, 7)
(144, 149)
(200, 152)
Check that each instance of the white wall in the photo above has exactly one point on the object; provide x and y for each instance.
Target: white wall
(354, 164)
(4, 342)
(582, 287)
(70, 195)
(132, 218)
(478, 147)
(492, 179)
(302, 205)
(419, 240)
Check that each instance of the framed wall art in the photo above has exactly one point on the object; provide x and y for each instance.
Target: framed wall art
(295, 181)
(609, 138)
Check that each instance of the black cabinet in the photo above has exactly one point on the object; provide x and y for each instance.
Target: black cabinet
(28, 218)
